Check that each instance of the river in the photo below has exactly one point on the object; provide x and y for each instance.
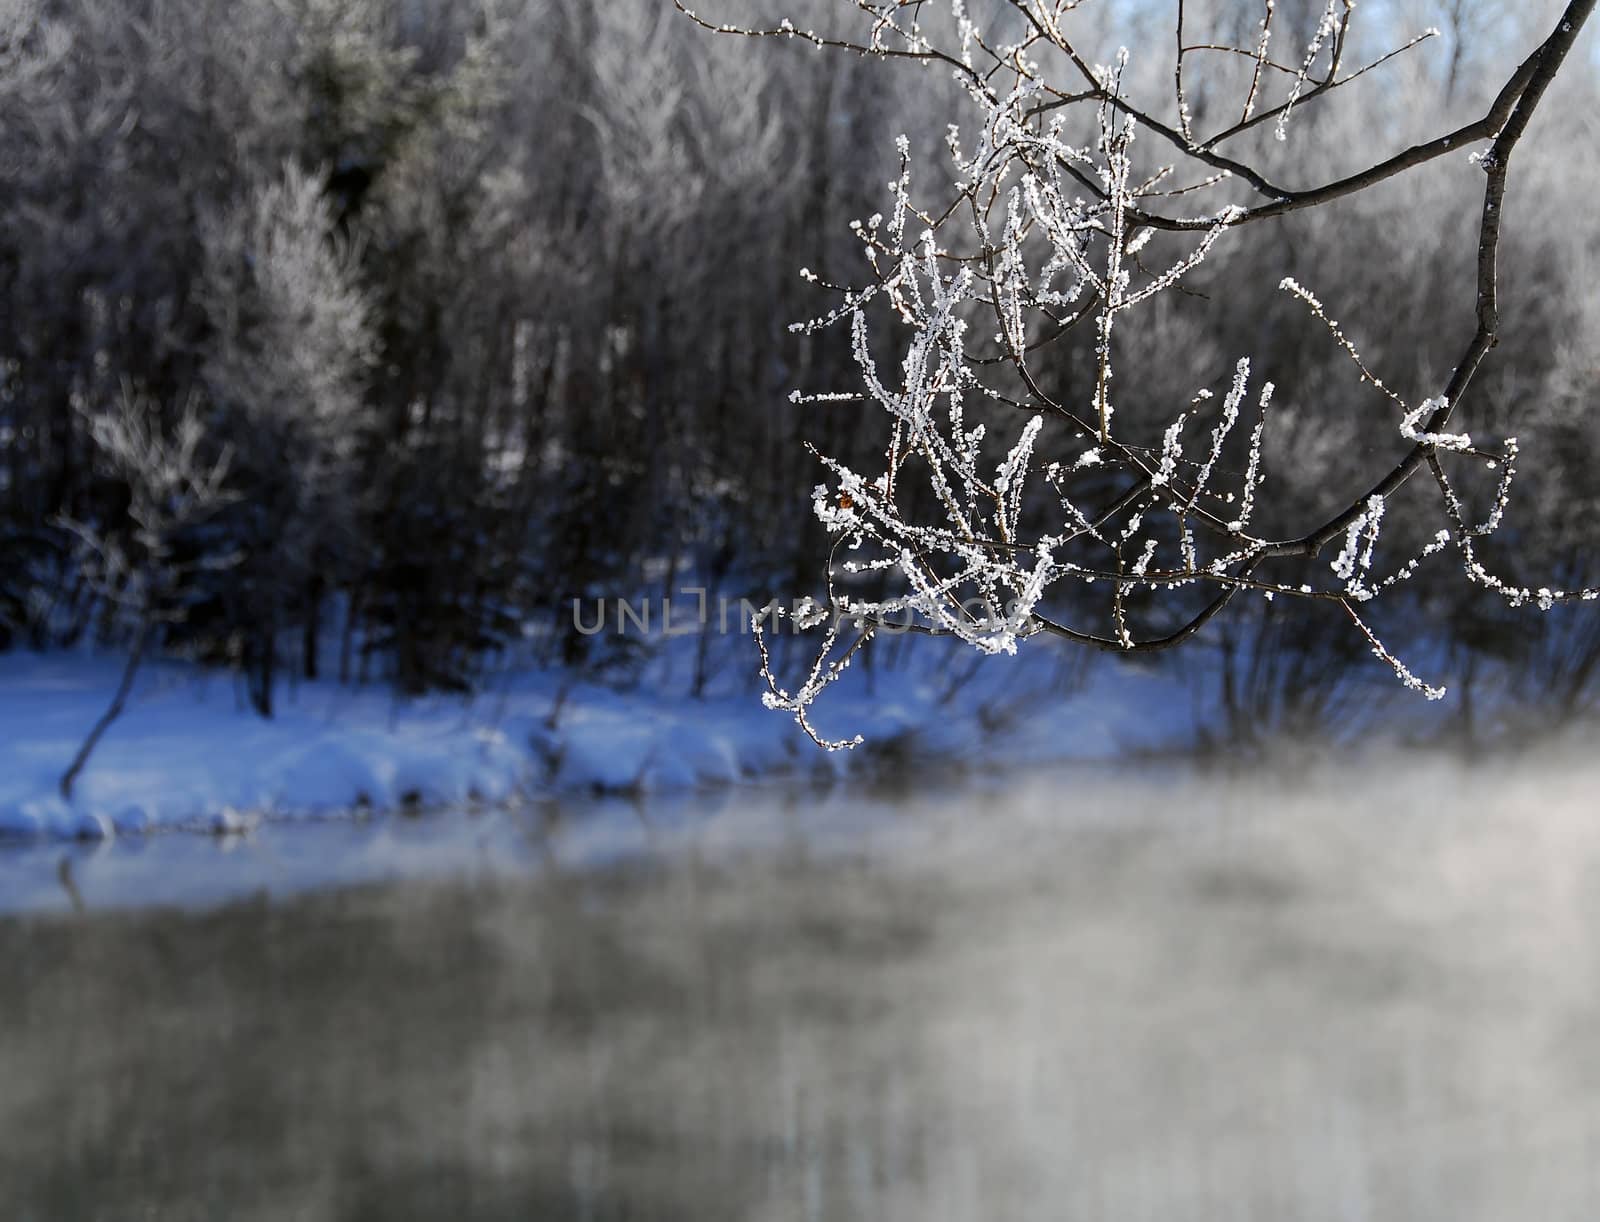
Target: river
(1332, 993)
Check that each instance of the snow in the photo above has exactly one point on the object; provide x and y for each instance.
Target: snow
(189, 754)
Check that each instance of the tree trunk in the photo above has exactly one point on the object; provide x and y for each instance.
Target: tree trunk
(113, 711)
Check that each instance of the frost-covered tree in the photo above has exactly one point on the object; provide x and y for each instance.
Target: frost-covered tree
(1077, 200)
(291, 347)
(175, 480)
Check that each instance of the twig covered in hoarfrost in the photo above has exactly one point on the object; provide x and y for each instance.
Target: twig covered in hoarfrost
(998, 494)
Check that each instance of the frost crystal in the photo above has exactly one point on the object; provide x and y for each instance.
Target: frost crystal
(980, 519)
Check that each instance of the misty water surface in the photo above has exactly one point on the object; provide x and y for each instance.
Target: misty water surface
(1356, 993)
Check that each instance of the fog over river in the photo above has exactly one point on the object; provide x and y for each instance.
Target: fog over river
(1332, 992)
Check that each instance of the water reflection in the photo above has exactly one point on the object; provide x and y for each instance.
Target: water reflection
(1084, 1001)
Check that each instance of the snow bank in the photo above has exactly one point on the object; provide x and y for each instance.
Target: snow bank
(189, 754)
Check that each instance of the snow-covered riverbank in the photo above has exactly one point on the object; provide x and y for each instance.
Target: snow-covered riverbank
(188, 753)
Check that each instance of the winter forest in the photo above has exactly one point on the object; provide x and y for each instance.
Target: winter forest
(359, 339)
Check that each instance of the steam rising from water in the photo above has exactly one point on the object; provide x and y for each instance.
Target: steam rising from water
(1345, 994)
